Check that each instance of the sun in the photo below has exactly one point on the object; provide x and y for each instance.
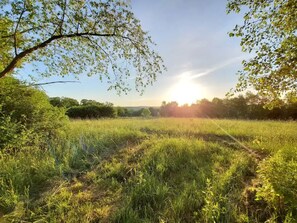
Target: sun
(185, 92)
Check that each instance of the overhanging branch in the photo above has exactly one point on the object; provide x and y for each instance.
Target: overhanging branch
(21, 55)
(53, 82)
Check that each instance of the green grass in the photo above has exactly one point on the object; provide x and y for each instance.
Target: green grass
(155, 170)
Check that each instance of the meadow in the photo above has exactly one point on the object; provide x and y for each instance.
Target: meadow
(155, 170)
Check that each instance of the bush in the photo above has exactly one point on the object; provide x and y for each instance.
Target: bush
(91, 111)
(12, 133)
(25, 113)
(279, 178)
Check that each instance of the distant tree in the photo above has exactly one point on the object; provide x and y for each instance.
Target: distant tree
(238, 107)
(185, 111)
(154, 111)
(56, 101)
(145, 113)
(205, 108)
(63, 102)
(91, 111)
(291, 106)
(69, 102)
(122, 112)
(269, 32)
(255, 104)
(107, 111)
(90, 102)
(249, 106)
(78, 36)
(219, 108)
(108, 104)
(169, 109)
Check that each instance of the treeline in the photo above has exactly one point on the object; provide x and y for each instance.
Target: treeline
(249, 106)
(88, 109)
(85, 108)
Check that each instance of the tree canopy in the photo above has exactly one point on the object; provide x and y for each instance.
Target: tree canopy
(249, 106)
(5, 44)
(269, 33)
(63, 102)
(72, 37)
(146, 113)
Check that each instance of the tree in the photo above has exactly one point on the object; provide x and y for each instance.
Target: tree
(91, 111)
(220, 108)
(69, 102)
(69, 37)
(206, 108)
(238, 107)
(168, 109)
(269, 32)
(5, 44)
(56, 101)
(122, 112)
(291, 105)
(63, 102)
(90, 102)
(154, 111)
(145, 113)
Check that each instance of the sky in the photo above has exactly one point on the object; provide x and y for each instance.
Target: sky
(192, 38)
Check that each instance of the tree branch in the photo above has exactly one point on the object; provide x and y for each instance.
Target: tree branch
(63, 17)
(16, 29)
(21, 32)
(54, 82)
(101, 48)
(21, 55)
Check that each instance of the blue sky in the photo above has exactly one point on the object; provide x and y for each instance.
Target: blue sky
(191, 36)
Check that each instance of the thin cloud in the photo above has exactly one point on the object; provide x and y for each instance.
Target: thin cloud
(190, 75)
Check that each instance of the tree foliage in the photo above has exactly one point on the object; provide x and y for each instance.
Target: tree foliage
(26, 116)
(5, 44)
(268, 32)
(63, 102)
(146, 113)
(72, 37)
(90, 102)
(91, 111)
(122, 112)
(249, 106)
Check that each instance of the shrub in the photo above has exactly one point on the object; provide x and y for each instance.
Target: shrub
(26, 112)
(279, 179)
(146, 113)
(91, 111)
(13, 134)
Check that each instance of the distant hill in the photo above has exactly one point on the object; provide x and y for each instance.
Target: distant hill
(136, 108)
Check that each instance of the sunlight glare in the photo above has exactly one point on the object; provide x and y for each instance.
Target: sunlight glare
(185, 92)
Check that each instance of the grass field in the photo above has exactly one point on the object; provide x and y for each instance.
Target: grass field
(155, 170)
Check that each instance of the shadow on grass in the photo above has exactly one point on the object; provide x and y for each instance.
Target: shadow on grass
(209, 137)
(221, 139)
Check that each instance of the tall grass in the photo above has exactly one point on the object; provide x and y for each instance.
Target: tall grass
(155, 170)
